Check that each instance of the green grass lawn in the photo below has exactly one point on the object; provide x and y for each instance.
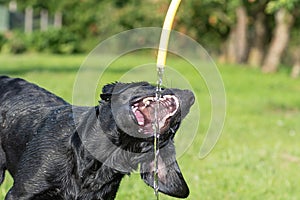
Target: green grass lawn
(258, 154)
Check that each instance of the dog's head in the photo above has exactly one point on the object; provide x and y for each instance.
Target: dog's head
(132, 107)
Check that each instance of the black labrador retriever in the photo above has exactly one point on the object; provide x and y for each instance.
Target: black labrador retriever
(54, 150)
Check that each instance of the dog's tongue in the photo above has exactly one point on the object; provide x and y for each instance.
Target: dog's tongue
(140, 117)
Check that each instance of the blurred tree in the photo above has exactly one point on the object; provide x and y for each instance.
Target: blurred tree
(107, 17)
(238, 30)
(5, 2)
(283, 11)
(294, 45)
(241, 28)
(206, 21)
(219, 23)
(258, 31)
(296, 65)
(237, 41)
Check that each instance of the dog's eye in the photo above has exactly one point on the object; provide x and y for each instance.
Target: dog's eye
(105, 97)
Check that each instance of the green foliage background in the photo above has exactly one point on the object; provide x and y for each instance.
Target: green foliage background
(208, 21)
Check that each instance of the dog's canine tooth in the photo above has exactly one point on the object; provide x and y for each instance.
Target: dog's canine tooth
(147, 101)
(134, 108)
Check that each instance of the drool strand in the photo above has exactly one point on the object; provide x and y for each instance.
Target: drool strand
(156, 128)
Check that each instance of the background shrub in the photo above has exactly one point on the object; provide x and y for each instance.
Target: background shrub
(2, 40)
(14, 42)
(59, 41)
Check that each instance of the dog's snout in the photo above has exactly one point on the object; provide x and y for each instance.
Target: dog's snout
(190, 97)
(186, 97)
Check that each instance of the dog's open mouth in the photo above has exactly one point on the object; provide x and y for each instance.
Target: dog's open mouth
(144, 112)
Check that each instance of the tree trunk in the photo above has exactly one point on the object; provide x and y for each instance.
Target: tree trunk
(230, 53)
(58, 19)
(44, 20)
(236, 47)
(256, 53)
(279, 41)
(241, 34)
(28, 20)
(296, 68)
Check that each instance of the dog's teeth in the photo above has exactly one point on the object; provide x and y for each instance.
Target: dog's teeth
(141, 123)
(170, 103)
(133, 108)
(147, 103)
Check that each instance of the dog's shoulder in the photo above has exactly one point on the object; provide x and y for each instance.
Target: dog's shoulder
(19, 89)
(10, 84)
(62, 121)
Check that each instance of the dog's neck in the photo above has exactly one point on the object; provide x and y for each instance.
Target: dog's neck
(99, 169)
(89, 177)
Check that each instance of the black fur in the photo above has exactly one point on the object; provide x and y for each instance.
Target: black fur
(55, 150)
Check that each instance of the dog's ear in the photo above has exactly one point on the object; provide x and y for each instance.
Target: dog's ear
(107, 91)
(117, 88)
(170, 178)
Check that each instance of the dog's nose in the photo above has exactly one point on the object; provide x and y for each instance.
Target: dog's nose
(190, 97)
